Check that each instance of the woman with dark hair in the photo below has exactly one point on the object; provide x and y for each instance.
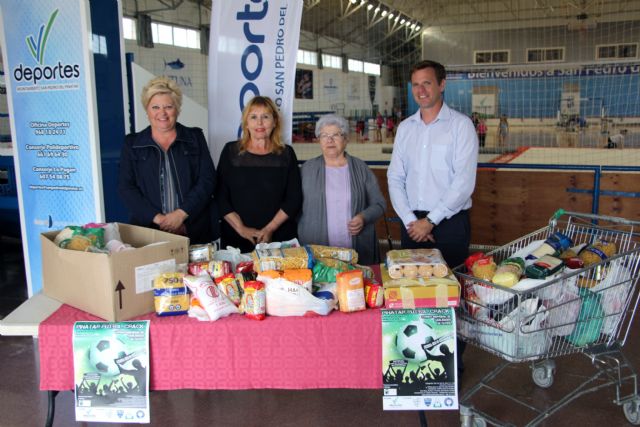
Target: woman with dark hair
(258, 192)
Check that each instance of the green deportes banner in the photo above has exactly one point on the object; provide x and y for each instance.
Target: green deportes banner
(48, 65)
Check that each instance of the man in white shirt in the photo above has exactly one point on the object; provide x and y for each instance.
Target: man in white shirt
(432, 173)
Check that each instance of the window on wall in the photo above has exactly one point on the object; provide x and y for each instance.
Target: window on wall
(617, 51)
(545, 54)
(176, 36)
(355, 65)
(129, 28)
(491, 57)
(331, 61)
(307, 57)
(371, 68)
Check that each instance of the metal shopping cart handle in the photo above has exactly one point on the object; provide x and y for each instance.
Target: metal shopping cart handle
(614, 219)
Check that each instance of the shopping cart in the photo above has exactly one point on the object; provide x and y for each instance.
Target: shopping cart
(587, 311)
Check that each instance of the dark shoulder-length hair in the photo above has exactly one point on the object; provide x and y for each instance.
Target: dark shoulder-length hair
(277, 145)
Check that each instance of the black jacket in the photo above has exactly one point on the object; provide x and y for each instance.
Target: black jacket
(139, 179)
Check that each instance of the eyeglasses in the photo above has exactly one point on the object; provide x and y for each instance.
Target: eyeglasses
(330, 137)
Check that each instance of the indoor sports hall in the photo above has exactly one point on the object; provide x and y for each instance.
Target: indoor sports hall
(556, 83)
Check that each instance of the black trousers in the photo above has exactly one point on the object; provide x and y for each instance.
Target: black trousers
(453, 237)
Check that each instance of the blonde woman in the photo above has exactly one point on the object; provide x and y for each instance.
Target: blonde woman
(259, 193)
(166, 178)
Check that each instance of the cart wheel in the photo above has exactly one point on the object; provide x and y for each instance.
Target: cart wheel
(632, 412)
(542, 374)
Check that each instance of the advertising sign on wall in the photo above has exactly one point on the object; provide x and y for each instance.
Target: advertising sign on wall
(48, 67)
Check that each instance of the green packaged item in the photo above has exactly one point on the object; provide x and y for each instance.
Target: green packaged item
(544, 267)
(323, 273)
(590, 319)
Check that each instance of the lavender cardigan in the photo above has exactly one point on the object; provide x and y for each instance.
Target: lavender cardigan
(366, 199)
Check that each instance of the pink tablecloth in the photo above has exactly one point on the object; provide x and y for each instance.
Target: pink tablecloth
(336, 351)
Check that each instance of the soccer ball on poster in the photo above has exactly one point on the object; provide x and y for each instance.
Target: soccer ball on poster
(103, 355)
(416, 341)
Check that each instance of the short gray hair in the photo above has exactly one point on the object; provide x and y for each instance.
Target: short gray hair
(332, 119)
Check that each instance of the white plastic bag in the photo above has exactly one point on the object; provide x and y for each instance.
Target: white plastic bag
(285, 298)
(231, 254)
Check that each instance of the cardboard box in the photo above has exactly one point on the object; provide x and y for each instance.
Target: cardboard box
(114, 286)
(420, 293)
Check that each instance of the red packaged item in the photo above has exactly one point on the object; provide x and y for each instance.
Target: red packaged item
(244, 267)
(219, 268)
(373, 294)
(198, 268)
(574, 263)
(472, 258)
(254, 300)
(229, 286)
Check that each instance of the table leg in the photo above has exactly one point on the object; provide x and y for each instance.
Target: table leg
(51, 397)
(423, 419)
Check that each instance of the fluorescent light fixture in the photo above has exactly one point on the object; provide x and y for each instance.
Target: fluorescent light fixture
(369, 6)
(402, 21)
(384, 13)
(391, 15)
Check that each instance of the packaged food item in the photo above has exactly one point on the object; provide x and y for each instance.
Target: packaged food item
(201, 253)
(367, 272)
(574, 262)
(373, 294)
(342, 254)
(473, 258)
(484, 268)
(170, 296)
(299, 276)
(326, 269)
(254, 300)
(215, 303)
(243, 278)
(544, 267)
(412, 263)
(218, 268)
(281, 259)
(81, 239)
(597, 251)
(508, 272)
(230, 287)
(244, 267)
(350, 291)
(198, 268)
(553, 245)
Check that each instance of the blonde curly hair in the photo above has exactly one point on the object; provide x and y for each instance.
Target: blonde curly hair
(164, 86)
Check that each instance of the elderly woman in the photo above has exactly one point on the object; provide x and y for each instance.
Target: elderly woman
(258, 192)
(342, 200)
(166, 177)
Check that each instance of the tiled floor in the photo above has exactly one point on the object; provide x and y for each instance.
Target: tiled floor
(22, 404)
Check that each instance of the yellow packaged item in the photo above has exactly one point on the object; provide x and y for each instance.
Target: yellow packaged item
(281, 259)
(598, 251)
(342, 254)
(170, 295)
(350, 286)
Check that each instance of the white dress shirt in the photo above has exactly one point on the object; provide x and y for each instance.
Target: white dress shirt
(433, 166)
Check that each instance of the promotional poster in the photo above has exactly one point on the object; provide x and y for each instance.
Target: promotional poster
(418, 359)
(111, 371)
